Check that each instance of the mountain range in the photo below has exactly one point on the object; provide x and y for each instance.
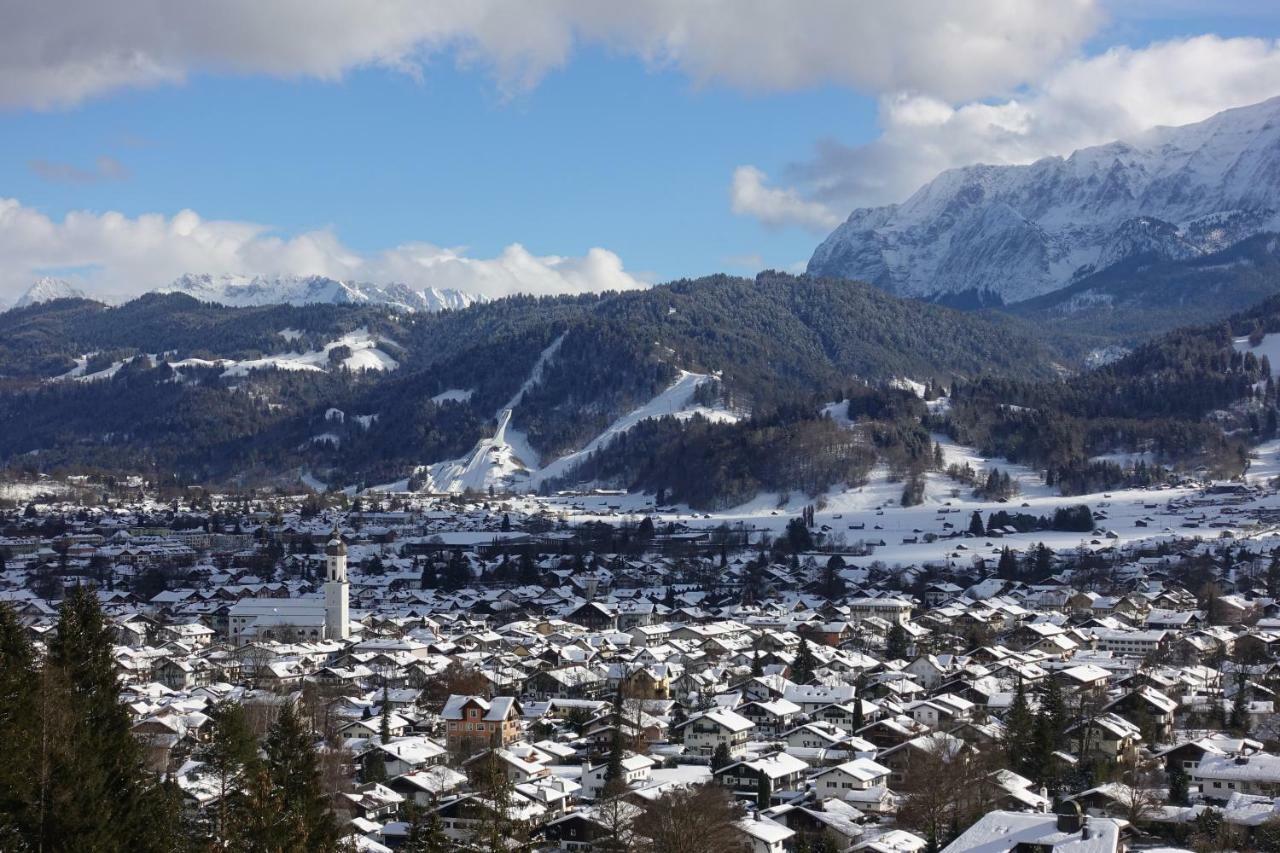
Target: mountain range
(244, 291)
(987, 234)
(240, 291)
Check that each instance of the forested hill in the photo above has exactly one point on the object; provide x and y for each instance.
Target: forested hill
(166, 383)
(1147, 295)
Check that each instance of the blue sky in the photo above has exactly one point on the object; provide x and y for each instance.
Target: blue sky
(602, 147)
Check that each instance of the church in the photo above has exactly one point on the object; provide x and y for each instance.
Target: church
(299, 619)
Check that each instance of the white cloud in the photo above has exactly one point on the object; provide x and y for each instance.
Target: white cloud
(749, 195)
(115, 255)
(1086, 101)
(59, 52)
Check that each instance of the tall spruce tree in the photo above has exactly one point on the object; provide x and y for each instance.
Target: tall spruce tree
(232, 755)
(805, 663)
(19, 719)
(1020, 735)
(293, 769)
(96, 794)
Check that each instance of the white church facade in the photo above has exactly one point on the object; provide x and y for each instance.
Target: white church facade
(299, 619)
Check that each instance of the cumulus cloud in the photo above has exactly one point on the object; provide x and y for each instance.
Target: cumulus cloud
(114, 255)
(60, 52)
(750, 195)
(1086, 101)
(105, 168)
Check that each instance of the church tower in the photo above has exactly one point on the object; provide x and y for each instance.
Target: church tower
(336, 615)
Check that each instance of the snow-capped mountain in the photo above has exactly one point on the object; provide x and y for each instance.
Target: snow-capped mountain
(47, 290)
(1016, 232)
(242, 291)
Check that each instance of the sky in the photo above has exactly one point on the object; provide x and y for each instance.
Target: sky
(551, 146)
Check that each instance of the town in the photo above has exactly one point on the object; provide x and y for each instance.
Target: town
(601, 672)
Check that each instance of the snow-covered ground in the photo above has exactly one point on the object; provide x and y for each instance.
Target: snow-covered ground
(1270, 347)
(367, 353)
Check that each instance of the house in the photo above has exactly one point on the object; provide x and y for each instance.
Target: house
(1022, 832)
(473, 722)
(1220, 776)
(861, 782)
(1150, 710)
(772, 717)
(704, 732)
(764, 835)
(762, 777)
(593, 616)
(1108, 736)
(635, 768)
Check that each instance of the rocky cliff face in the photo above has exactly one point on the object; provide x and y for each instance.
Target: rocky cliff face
(1009, 233)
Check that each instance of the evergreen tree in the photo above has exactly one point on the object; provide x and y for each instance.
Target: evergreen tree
(757, 669)
(232, 754)
(18, 720)
(976, 526)
(1178, 786)
(805, 663)
(896, 643)
(614, 777)
(384, 724)
(426, 832)
(95, 792)
(1020, 734)
(764, 794)
(293, 770)
(720, 757)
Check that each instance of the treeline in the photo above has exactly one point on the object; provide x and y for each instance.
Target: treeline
(711, 465)
(1156, 400)
(43, 340)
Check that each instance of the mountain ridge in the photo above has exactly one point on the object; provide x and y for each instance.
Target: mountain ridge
(992, 234)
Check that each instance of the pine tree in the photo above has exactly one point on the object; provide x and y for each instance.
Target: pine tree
(384, 724)
(720, 757)
(1020, 736)
(976, 526)
(805, 663)
(896, 644)
(293, 769)
(757, 669)
(426, 832)
(232, 753)
(1178, 786)
(858, 722)
(258, 822)
(18, 721)
(764, 794)
(96, 793)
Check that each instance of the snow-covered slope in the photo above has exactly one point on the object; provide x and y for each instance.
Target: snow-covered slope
(365, 352)
(242, 291)
(47, 290)
(1021, 231)
(506, 462)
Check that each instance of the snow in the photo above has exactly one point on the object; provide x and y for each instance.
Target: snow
(454, 395)
(1024, 230)
(48, 289)
(506, 461)
(675, 401)
(244, 291)
(1270, 347)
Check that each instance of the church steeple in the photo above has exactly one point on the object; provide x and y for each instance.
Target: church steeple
(336, 612)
